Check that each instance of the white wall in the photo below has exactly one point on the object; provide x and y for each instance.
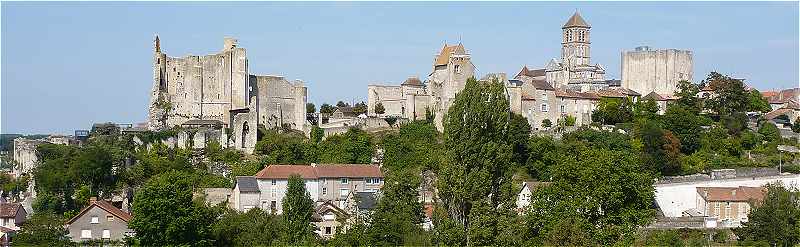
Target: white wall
(678, 197)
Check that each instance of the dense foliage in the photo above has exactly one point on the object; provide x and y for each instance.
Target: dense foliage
(775, 221)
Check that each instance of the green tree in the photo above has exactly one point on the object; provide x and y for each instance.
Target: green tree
(758, 102)
(612, 207)
(730, 95)
(43, 229)
(686, 125)
(478, 152)
(776, 220)
(613, 111)
(326, 109)
(398, 215)
(661, 149)
(360, 108)
(379, 108)
(93, 166)
(645, 109)
(297, 210)
(255, 227)
(285, 148)
(415, 147)
(546, 123)
(687, 97)
(166, 215)
(770, 131)
(518, 132)
(352, 147)
(796, 126)
(342, 104)
(311, 108)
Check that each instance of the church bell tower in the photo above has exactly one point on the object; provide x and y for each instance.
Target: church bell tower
(575, 41)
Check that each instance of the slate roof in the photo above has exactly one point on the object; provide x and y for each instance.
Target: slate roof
(542, 85)
(366, 200)
(530, 72)
(9, 209)
(247, 184)
(576, 21)
(731, 194)
(320, 171)
(106, 206)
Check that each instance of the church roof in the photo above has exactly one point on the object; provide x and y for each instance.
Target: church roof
(576, 21)
(412, 81)
(530, 72)
(447, 50)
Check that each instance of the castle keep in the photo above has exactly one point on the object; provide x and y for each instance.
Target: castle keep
(645, 70)
(217, 90)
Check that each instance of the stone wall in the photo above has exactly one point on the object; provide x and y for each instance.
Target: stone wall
(25, 156)
(645, 70)
(280, 102)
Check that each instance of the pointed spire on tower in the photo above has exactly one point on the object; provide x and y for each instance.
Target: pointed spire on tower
(576, 21)
(157, 44)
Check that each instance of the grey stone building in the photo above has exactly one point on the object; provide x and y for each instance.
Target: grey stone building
(99, 220)
(645, 70)
(574, 70)
(220, 87)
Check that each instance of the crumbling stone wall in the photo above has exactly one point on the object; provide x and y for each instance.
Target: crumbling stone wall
(25, 156)
(280, 102)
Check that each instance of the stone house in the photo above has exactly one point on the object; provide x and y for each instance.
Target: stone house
(328, 218)
(99, 220)
(12, 215)
(576, 104)
(525, 193)
(729, 205)
(324, 182)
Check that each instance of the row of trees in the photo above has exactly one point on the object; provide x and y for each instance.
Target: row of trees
(325, 108)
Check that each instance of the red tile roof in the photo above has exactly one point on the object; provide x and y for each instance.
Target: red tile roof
(320, 171)
(106, 207)
(530, 72)
(444, 56)
(731, 194)
(9, 209)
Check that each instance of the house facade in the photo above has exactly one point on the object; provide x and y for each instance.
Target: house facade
(12, 215)
(729, 205)
(324, 182)
(99, 220)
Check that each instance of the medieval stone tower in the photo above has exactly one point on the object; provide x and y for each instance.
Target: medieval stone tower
(451, 69)
(575, 41)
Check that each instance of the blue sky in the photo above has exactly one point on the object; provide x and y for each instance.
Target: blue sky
(67, 65)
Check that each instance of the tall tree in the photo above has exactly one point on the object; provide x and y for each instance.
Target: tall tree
(379, 108)
(417, 146)
(45, 230)
(661, 149)
(613, 111)
(342, 104)
(255, 227)
(326, 109)
(166, 215)
(685, 124)
(758, 102)
(398, 215)
(775, 221)
(297, 210)
(311, 108)
(687, 97)
(478, 151)
(354, 147)
(360, 108)
(609, 209)
(729, 97)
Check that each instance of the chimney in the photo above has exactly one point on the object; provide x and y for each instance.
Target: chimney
(92, 199)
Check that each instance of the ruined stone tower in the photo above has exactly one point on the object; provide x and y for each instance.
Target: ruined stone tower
(451, 69)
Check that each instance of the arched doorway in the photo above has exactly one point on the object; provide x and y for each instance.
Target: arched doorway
(245, 131)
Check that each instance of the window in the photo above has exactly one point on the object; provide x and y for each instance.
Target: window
(563, 108)
(95, 220)
(274, 192)
(344, 192)
(544, 96)
(86, 233)
(274, 182)
(328, 230)
(273, 205)
(345, 180)
(109, 218)
(106, 234)
(324, 191)
(544, 107)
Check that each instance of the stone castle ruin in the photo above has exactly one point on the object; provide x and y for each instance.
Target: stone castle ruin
(218, 91)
